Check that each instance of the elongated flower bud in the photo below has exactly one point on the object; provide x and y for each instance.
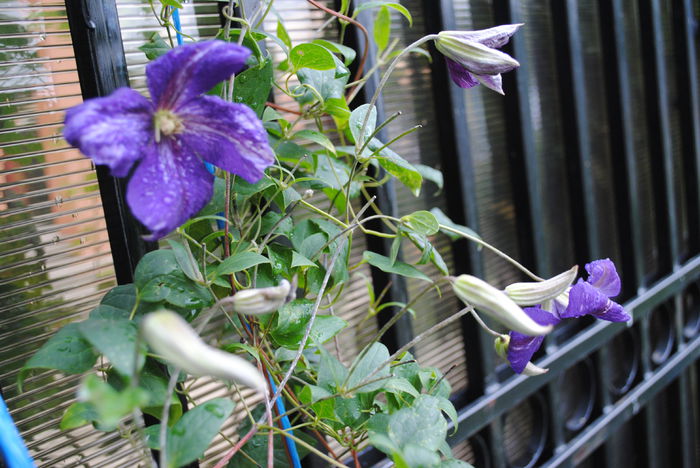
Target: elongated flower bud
(171, 337)
(490, 300)
(477, 57)
(538, 292)
(258, 300)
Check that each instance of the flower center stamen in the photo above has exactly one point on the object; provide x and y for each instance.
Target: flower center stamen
(166, 123)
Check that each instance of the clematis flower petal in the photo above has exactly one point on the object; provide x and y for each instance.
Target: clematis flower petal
(190, 70)
(169, 186)
(227, 135)
(492, 82)
(585, 299)
(523, 347)
(603, 275)
(495, 37)
(112, 130)
(460, 75)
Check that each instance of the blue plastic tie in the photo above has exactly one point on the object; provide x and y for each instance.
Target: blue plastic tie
(178, 26)
(11, 444)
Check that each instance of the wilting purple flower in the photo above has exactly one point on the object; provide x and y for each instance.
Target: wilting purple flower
(472, 57)
(171, 135)
(522, 347)
(592, 297)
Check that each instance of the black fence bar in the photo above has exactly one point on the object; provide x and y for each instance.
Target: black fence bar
(516, 389)
(101, 66)
(660, 129)
(622, 143)
(575, 114)
(687, 36)
(597, 432)
(457, 167)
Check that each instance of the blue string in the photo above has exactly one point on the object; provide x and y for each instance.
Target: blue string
(286, 425)
(11, 444)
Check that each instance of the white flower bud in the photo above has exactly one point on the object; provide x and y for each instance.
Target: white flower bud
(259, 300)
(490, 300)
(172, 338)
(538, 292)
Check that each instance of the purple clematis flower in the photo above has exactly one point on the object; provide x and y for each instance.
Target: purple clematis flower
(170, 136)
(592, 297)
(472, 57)
(522, 347)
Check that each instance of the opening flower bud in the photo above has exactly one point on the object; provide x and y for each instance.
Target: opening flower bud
(258, 301)
(172, 338)
(495, 303)
(538, 292)
(532, 370)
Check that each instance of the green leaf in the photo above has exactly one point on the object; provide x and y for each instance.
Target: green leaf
(154, 264)
(339, 110)
(445, 221)
(239, 262)
(348, 53)
(185, 259)
(298, 260)
(78, 414)
(292, 319)
(110, 405)
(397, 166)
(177, 290)
(382, 28)
(399, 268)
(431, 174)
(424, 245)
(311, 56)
(446, 405)
(171, 3)
(253, 86)
(400, 385)
(66, 351)
(326, 327)
(115, 337)
(188, 439)
(395, 5)
(123, 297)
(422, 222)
(349, 411)
(155, 47)
(329, 84)
(331, 372)
(422, 424)
(316, 137)
(356, 120)
(374, 359)
(283, 35)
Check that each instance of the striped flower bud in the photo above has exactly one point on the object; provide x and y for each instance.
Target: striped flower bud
(538, 292)
(258, 301)
(172, 338)
(495, 303)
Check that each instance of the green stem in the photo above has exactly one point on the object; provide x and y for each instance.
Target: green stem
(492, 249)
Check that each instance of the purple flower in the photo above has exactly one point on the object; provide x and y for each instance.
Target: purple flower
(522, 347)
(592, 297)
(171, 135)
(472, 57)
